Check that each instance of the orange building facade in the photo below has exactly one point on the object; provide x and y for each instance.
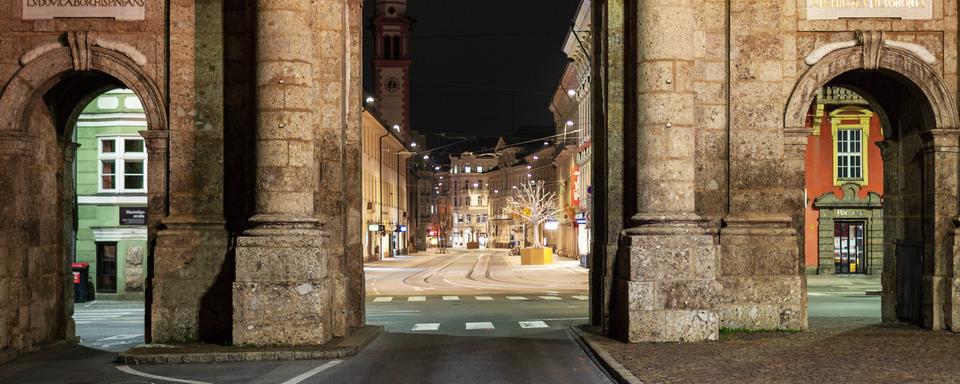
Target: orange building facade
(844, 186)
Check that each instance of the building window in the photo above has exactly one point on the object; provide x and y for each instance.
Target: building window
(851, 130)
(479, 169)
(479, 200)
(850, 154)
(469, 218)
(466, 169)
(122, 165)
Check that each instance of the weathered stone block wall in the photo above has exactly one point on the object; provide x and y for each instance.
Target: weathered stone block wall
(193, 265)
(37, 208)
(711, 81)
(338, 37)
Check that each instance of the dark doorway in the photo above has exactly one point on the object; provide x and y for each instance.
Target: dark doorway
(849, 247)
(107, 267)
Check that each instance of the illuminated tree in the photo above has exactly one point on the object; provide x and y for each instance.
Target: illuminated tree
(534, 204)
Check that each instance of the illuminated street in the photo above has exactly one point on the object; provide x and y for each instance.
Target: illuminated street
(464, 271)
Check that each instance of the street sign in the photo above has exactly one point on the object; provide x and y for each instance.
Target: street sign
(133, 216)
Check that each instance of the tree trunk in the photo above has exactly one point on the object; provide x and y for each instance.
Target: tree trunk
(536, 236)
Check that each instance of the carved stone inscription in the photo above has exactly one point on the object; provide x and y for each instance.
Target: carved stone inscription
(114, 9)
(856, 9)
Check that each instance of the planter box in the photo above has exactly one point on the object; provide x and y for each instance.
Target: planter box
(473, 245)
(536, 256)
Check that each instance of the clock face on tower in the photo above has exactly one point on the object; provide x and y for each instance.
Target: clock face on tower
(392, 84)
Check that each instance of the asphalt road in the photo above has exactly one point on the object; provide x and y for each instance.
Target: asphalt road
(464, 317)
(112, 326)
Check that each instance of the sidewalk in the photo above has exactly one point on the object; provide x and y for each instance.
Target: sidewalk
(835, 350)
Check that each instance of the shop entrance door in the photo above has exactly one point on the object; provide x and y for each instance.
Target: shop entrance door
(107, 267)
(849, 255)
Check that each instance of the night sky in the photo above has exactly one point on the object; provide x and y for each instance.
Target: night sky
(483, 68)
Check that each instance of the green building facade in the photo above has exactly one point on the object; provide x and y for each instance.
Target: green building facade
(111, 194)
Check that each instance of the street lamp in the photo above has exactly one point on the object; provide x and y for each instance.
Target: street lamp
(569, 123)
(571, 92)
(370, 100)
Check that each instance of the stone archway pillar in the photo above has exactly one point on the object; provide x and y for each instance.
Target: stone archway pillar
(941, 285)
(890, 153)
(665, 286)
(282, 293)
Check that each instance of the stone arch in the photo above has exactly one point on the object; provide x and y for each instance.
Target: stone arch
(44, 69)
(41, 73)
(897, 60)
(929, 173)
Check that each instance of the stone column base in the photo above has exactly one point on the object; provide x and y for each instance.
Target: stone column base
(282, 294)
(764, 285)
(666, 289)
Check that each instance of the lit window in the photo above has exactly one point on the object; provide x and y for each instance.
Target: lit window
(122, 165)
(849, 154)
(469, 218)
(479, 169)
(466, 169)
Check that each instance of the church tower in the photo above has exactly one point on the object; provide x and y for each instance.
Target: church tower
(391, 64)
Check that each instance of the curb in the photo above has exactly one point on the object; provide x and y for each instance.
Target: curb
(590, 342)
(338, 349)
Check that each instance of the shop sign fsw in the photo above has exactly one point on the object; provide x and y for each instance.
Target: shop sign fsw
(112, 9)
(861, 9)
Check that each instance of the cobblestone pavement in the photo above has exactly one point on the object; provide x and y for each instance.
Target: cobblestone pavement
(835, 351)
(845, 344)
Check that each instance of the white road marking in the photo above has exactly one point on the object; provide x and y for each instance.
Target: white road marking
(451, 298)
(426, 327)
(308, 374)
(533, 324)
(480, 325)
(567, 319)
(550, 298)
(516, 298)
(121, 337)
(581, 297)
(816, 294)
(131, 371)
(417, 298)
(385, 299)
(483, 298)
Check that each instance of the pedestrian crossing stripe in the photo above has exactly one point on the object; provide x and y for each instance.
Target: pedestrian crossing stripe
(479, 326)
(516, 298)
(451, 298)
(533, 324)
(581, 297)
(549, 297)
(426, 327)
(417, 298)
(385, 299)
(483, 298)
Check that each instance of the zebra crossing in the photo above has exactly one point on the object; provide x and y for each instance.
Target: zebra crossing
(451, 298)
(83, 316)
(493, 325)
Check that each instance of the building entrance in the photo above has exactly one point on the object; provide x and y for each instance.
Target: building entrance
(849, 247)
